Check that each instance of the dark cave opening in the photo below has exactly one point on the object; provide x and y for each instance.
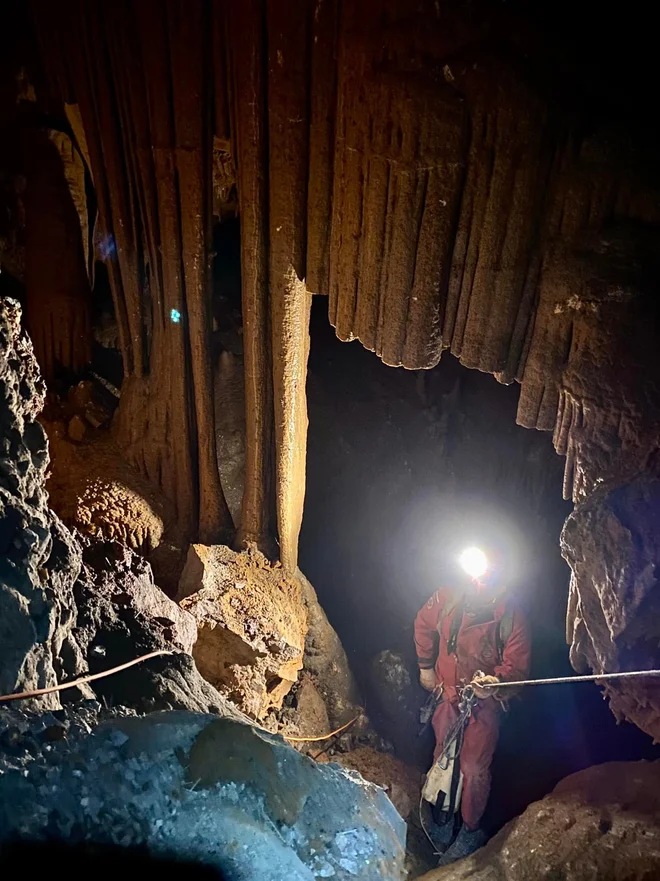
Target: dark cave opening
(403, 470)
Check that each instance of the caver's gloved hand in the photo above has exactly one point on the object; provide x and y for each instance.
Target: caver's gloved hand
(427, 679)
(482, 679)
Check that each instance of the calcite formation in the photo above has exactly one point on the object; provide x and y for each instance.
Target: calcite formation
(251, 624)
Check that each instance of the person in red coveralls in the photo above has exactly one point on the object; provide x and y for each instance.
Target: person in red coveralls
(476, 630)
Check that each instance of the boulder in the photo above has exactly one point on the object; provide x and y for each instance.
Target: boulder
(199, 788)
(251, 624)
(122, 614)
(326, 662)
(602, 824)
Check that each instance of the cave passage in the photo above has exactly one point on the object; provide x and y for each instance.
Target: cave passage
(404, 470)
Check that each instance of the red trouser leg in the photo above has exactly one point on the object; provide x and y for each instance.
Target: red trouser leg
(479, 742)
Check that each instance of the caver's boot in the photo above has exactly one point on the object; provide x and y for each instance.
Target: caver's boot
(436, 826)
(467, 842)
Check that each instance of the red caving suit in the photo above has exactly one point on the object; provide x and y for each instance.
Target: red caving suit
(476, 649)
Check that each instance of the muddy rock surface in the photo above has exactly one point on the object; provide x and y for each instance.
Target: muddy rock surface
(602, 824)
(211, 790)
(251, 625)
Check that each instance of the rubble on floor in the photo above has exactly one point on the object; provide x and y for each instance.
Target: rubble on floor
(602, 824)
(196, 787)
(251, 625)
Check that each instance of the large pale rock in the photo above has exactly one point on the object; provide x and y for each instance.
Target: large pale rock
(611, 544)
(210, 790)
(602, 824)
(251, 622)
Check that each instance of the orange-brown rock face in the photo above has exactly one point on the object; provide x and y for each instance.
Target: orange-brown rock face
(251, 625)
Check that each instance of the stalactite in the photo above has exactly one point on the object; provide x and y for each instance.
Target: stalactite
(58, 297)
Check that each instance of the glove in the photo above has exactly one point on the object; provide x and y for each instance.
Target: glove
(427, 679)
(482, 679)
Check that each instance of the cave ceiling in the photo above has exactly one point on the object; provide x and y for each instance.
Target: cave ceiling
(464, 177)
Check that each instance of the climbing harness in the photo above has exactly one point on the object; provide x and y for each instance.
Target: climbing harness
(448, 761)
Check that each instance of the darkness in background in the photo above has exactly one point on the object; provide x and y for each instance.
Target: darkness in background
(406, 468)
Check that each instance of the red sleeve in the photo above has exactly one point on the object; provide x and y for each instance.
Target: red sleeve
(517, 651)
(426, 631)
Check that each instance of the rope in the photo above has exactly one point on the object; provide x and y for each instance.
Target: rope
(21, 695)
(596, 677)
(323, 736)
(38, 692)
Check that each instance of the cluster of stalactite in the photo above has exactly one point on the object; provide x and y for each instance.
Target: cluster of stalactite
(411, 165)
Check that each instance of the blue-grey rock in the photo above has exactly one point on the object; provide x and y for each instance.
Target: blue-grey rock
(209, 789)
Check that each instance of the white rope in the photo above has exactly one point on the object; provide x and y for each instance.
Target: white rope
(596, 677)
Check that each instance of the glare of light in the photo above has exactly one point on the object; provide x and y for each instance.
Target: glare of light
(175, 315)
(474, 561)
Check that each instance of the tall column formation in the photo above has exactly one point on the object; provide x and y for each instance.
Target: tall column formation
(290, 302)
(249, 123)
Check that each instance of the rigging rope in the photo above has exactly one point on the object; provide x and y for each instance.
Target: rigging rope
(595, 677)
(51, 689)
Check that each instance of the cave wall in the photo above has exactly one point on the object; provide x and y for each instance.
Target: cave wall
(447, 175)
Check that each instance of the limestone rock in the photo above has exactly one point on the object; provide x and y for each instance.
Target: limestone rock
(209, 790)
(401, 782)
(304, 714)
(251, 623)
(326, 661)
(611, 544)
(601, 824)
(38, 559)
(122, 614)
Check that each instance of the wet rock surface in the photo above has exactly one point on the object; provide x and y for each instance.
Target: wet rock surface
(601, 824)
(204, 789)
(251, 625)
